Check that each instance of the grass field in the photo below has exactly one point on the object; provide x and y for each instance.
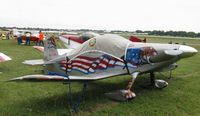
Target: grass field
(181, 97)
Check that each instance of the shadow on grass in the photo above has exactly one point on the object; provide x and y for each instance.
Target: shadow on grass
(94, 95)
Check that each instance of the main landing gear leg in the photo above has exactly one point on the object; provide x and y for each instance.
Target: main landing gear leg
(152, 78)
(127, 93)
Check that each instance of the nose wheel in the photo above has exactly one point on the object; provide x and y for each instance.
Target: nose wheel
(157, 83)
(128, 93)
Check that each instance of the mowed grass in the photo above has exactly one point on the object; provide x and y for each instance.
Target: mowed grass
(181, 97)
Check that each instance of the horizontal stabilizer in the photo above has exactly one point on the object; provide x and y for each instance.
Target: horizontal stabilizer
(34, 62)
(166, 55)
(60, 51)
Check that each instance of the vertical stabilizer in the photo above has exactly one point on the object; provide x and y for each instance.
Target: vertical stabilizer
(50, 50)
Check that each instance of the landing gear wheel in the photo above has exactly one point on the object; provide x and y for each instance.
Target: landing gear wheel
(160, 84)
(155, 83)
(128, 94)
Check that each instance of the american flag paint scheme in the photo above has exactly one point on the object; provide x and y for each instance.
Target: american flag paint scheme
(87, 65)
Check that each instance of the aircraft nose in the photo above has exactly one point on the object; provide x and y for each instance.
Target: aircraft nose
(187, 51)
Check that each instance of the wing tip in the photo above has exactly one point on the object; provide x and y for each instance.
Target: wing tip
(14, 79)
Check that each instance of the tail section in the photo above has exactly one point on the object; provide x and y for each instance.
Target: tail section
(50, 49)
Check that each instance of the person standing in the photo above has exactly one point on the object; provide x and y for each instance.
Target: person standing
(145, 40)
(41, 38)
(8, 35)
(19, 39)
(28, 38)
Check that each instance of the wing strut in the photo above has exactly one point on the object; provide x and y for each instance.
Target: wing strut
(126, 66)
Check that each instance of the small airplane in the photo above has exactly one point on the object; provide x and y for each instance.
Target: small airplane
(72, 41)
(106, 56)
(4, 57)
(22, 33)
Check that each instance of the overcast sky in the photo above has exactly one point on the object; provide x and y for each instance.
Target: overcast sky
(179, 15)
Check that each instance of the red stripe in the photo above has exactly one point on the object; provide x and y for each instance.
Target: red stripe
(103, 62)
(111, 64)
(85, 63)
(99, 67)
(73, 38)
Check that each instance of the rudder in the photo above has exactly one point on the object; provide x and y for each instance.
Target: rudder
(50, 49)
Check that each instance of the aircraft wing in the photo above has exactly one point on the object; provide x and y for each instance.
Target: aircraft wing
(57, 78)
(4, 57)
(34, 62)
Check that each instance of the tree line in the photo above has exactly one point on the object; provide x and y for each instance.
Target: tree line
(154, 32)
(170, 33)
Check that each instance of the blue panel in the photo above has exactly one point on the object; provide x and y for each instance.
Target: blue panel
(133, 56)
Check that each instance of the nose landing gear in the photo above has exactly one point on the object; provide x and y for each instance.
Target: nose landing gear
(158, 83)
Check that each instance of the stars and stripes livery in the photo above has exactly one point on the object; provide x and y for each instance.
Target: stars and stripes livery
(88, 65)
(85, 64)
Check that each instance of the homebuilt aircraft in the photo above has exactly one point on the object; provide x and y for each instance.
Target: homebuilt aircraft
(22, 34)
(72, 41)
(106, 56)
(4, 57)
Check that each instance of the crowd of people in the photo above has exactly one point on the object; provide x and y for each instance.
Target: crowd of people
(24, 38)
(27, 38)
(6, 35)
